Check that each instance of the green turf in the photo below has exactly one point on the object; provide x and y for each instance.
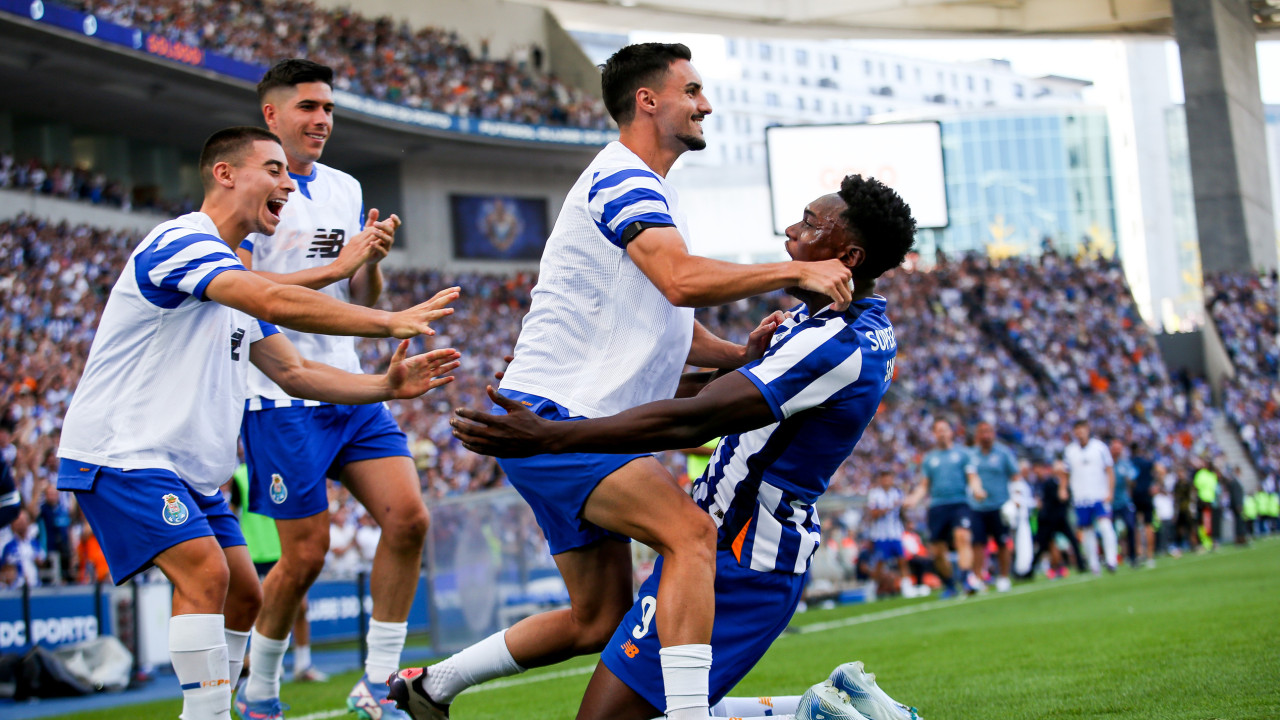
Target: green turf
(1194, 639)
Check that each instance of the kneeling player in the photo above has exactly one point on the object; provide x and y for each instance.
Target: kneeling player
(789, 419)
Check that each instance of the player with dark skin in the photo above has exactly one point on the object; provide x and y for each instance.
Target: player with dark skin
(726, 404)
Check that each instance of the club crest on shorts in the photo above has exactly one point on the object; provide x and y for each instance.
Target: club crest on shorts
(175, 513)
(279, 493)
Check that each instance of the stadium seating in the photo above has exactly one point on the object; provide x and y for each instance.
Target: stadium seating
(426, 68)
(1243, 308)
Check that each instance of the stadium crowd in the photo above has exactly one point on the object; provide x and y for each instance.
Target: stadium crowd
(80, 183)
(427, 68)
(1030, 345)
(1243, 308)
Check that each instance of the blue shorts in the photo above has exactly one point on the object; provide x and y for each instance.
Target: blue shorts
(1087, 515)
(944, 520)
(886, 550)
(557, 486)
(752, 610)
(138, 514)
(989, 524)
(290, 452)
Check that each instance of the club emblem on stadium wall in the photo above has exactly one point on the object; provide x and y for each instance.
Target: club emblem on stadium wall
(175, 513)
(279, 493)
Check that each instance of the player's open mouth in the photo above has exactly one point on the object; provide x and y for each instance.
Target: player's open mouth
(317, 137)
(275, 206)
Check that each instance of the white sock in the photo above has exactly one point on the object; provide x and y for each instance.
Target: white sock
(236, 643)
(301, 658)
(198, 649)
(685, 671)
(486, 660)
(756, 707)
(385, 640)
(1089, 546)
(266, 656)
(1108, 533)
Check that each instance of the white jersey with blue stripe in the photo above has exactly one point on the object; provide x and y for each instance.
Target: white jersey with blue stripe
(889, 525)
(599, 337)
(166, 378)
(321, 216)
(823, 376)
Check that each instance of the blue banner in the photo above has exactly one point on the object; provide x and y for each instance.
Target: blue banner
(59, 616)
(333, 608)
(498, 227)
(48, 13)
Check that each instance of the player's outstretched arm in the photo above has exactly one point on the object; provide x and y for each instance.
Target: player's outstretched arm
(730, 404)
(368, 246)
(710, 351)
(406, 377)
(300, 308)
(693, 281)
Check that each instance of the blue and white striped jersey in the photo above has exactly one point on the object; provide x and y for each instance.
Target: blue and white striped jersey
(823, 376)
(889, 525)
(599, 337)
(166, 379)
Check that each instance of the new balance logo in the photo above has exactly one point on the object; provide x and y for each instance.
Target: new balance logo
(327, 243)
(630, 649)
(237, 338)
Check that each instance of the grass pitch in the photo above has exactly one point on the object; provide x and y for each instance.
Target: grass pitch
(1194, 639)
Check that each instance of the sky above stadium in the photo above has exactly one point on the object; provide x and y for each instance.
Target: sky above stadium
(1032, 57)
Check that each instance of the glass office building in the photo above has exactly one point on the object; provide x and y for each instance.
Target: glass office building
(1018, 179)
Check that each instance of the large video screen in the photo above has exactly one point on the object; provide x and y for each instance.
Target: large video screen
(498, 227)
(806, 161)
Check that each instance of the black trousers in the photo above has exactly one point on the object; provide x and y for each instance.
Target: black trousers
(1048, 527)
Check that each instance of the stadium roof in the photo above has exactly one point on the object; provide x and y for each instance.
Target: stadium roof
(885, 18)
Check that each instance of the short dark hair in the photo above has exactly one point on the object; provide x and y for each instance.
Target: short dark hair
(1080, 422)
(291, 72)
(229, 145)
(881, 223)
(634, 67)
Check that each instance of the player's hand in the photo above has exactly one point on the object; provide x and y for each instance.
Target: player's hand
(760, 338)
(417, 319)
(386, 234)
(502, 373)
(519, 433)
(829, 277)
(979, 494)
(369, 245)
(410, 377)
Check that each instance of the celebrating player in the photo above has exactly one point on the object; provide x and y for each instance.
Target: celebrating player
(949, 478)
(789, 418)
(611, 327)
(293, 445)
(151, 431)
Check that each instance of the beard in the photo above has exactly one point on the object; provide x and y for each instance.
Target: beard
(693, 142)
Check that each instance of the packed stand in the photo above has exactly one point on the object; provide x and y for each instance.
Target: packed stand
(427, 68)
(1075, 325)
(79, 183)
(1243, 308)
(54, 283)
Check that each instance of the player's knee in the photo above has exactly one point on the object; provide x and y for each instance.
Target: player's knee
(204, 587)
(407, 528)
(302, 564)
